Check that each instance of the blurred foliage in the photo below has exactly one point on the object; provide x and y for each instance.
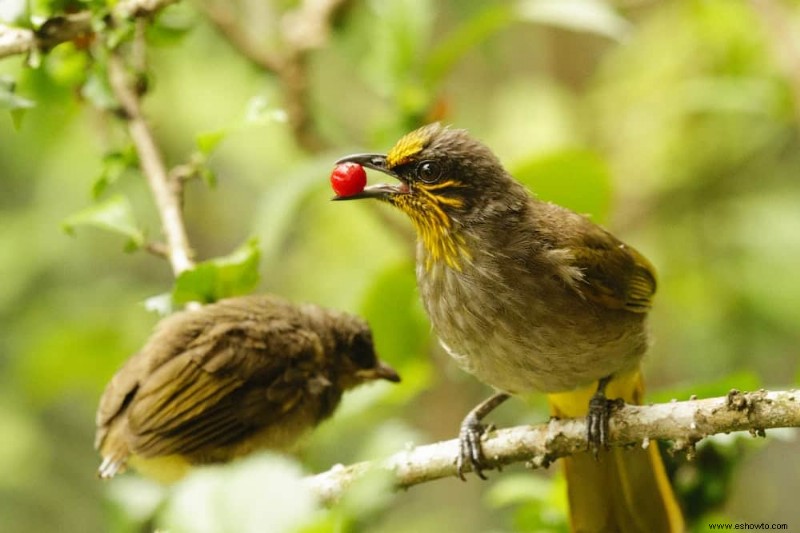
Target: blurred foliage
(222, 277)
(114, 214)
(675, 123)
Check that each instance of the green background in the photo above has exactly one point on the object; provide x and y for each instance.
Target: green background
(673, 123)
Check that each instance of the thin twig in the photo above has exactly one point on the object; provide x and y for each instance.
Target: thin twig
(168, 201)
(167, 194)
(63, 28)
(301, 31)
(685, 423)
(15, 41)
(158, 249)
(225, 22)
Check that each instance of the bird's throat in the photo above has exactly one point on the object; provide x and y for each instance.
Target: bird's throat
(441, 244)
(440, 236)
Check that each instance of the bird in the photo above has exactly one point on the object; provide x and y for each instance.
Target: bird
(530, 297)
(230, 378)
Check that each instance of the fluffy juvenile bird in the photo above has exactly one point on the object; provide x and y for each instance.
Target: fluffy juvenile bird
(230, 378)
(531, 297)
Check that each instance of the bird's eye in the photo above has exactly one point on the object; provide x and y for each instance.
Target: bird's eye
(362, 351)
(428, 171)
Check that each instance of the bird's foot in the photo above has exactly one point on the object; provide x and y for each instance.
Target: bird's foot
(470, 447)
(597, 423)
(600, 409)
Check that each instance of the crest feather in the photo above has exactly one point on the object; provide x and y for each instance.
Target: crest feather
(411, 144)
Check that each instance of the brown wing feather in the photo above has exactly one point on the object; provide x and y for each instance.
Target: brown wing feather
(117, 395)
(614, 274)
(600, 267)
(172, 335)
(221, 388)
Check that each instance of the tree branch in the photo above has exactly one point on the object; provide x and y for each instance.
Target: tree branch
(224, 21)
(302, 30)
(167, 196)
(685, 423)
(63, 28)
(167, 193)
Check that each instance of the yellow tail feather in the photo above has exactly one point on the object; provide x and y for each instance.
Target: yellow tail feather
(624, 490)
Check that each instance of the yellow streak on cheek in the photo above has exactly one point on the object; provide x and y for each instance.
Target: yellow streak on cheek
(452, 202)
(438, 200)
(434, 229)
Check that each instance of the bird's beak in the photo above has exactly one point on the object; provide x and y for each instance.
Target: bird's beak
(382, 190)
(382, 371)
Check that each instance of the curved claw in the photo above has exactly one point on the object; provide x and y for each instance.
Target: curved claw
(597, 423)
(600, 409)
(470, 450)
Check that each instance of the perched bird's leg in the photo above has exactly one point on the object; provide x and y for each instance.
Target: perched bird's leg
(598, 416)
(529, 296)
(469, 437)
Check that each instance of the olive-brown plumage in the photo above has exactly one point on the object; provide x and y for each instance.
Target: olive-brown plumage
(232, 377)
(524, 294)
(529, 296)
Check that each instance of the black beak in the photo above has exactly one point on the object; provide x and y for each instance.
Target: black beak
(381, 371)
(381, 190)
(373, 161)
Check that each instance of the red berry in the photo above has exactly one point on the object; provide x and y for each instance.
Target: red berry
(348, 179)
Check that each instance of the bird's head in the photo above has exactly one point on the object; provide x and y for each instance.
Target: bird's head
(356, 360)
(447, 181)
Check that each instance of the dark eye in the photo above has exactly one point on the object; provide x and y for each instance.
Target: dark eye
(362, 351)
(428, 171)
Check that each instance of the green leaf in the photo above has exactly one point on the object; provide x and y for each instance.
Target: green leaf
(592, 16)
(67, 67)
(8, 97)
(114, 165)
(207, 141)
(114, 214)
(575, 178)
(221, 277)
